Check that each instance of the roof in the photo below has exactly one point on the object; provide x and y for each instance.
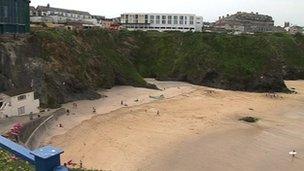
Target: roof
(16, 92)
(32, 8)
(45, 8)
(249, 16)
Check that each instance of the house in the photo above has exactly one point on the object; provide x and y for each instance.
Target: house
(295, 30)
(14, 16)
(246, 22)
(162, 22)
(18, 102)
(59, 15)
(110, 24)
(48, 14)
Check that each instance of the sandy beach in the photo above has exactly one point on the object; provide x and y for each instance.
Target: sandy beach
(192, 128)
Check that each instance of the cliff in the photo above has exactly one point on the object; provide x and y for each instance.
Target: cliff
(64, 66)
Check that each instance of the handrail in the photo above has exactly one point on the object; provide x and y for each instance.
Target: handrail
(34, 132)
(44, 159)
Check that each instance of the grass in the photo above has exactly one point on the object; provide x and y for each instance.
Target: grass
(10, 163)
(95, 59)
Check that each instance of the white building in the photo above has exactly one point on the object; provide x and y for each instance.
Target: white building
(18, 102)
(162, 22)
(48, 14)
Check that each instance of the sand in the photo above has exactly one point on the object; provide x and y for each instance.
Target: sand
(196, 129)
(129, 95)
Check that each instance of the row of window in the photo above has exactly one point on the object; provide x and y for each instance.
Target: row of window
(63, 14)
(162, 19)
(163, 28)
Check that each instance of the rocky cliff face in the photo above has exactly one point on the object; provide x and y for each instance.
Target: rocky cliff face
(64, 66)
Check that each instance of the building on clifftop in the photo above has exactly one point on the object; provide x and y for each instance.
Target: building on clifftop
(246, 22)
(162, 22)
(14, 16)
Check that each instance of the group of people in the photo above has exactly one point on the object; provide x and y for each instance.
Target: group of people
(273, 95)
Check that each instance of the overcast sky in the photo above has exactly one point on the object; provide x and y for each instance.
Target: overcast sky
(280, 10)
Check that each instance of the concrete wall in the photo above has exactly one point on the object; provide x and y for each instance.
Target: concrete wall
(32, 131)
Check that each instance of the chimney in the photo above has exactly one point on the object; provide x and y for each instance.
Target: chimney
(220, 17)
(227, 15)
(48, 5)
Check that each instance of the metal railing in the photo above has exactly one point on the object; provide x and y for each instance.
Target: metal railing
(44, 159)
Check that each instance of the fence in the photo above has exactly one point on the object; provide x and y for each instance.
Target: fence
(44, 159)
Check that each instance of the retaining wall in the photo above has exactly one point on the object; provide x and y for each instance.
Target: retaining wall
(32, 131)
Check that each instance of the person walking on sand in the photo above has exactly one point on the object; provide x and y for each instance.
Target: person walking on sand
(158, 113)
(75, 105)
(121, 102)
(80, 164)
(94, 110)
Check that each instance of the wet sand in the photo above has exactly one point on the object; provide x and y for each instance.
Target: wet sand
(196, 129)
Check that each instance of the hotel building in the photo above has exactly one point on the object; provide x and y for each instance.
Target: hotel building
(162, 22)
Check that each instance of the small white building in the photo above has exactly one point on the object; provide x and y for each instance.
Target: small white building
(162, 22)
(18, 102)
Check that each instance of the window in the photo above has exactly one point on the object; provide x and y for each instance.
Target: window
(5, 11)
(186, 20)
(191, 20)
(181, 19)
(169, 19)
(152, 19)
(175, 20)
(157, 19)
(164, 19)
(22, 97)
(21, 110)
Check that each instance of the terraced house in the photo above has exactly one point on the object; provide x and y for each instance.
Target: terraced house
(162, 22)
(246, 22)
(68, 14)
(14, 16)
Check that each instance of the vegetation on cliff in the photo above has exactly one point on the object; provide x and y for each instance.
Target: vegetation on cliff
(70, 65)
(9, 162)
(244, 62)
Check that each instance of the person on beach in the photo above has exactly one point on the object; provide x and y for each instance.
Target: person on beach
(80, 164)
(75, 105)
(121, 102)
(94, 110)
(293, 153)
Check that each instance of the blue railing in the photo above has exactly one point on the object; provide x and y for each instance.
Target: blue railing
(44, 159)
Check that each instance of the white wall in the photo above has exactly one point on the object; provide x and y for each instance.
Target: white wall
(153, 23)
(31, 105)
